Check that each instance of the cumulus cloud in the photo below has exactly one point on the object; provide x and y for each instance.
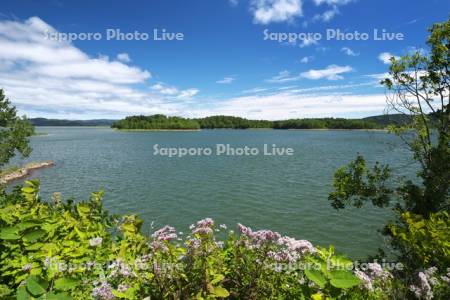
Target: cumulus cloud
(349, 51)
(273, 11)
(308, 41)
(189, 93)
(385, 57)
(327, 15)
(124, 57)
(332, 72)
(306, 59)
(53, 78)
(283, 76)
(289, 104)
(58, 80)
(233, 2)
(226, 80)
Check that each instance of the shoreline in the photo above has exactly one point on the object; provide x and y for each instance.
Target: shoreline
(256, 129)
(24, 171)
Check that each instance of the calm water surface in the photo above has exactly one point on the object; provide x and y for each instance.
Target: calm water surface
(287, 194)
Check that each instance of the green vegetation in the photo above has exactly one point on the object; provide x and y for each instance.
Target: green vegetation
(66, 250)
(156, 122)
(419, 89)
(221, 122)
(14, 132)
(326, 123)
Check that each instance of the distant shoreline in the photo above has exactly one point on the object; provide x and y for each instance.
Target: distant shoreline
(206, 129)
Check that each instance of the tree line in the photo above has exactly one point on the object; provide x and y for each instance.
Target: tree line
(228, 122)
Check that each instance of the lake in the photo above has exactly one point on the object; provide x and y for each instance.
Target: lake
(287, 194)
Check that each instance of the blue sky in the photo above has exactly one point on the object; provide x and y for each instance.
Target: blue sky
(223, 65)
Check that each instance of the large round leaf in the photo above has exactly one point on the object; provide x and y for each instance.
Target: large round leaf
(36, 285)
(343, 279)
(316, 277)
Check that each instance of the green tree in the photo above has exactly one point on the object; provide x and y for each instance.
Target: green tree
(14, 131)
(418, 87)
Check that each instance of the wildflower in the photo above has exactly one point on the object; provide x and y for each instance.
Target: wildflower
(203, 227)
(375, 271)
(208, 222)
(166, 233)
(223, 226)
(94, 242)
(103, 292)
(423, 289)
(367, 281)
(202, 230)
(299, 246)
(123, 287)
(27, 267)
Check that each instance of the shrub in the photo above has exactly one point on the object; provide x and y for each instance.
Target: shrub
(68, 250)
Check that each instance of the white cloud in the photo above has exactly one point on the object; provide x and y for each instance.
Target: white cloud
(45, 77)
(332, 2)
(58, 80)
(164, 89)
(385, 57)
(226, 80)
(308, 41)
(233, 2)
(327, 15)
(254, 90)
(349, 51)
(332, 72)
(287, 104)
(283, 76)
(124, 57)
(272, 11)
(306, 59)
(189, 93)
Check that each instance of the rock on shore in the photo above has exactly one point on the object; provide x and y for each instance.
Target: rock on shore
(24, 171)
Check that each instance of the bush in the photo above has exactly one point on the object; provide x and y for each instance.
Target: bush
(68, 250)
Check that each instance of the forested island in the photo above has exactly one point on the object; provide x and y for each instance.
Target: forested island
(162, 122)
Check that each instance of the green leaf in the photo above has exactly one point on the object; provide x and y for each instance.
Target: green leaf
(28, 224)
(343, 279)
(220, 292)
(36, 285)
(58, 296)
(65, 283)
(217, 278)
(34, 235)
(9, 233)
(316, 277)
(22, 294)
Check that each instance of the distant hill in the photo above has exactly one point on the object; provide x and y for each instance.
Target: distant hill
(58, 122)
(157, 121)
(394, 119)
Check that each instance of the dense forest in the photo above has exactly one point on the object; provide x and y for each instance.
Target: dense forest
(156, 122)
(217, 122)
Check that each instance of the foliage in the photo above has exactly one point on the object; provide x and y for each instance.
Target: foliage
(221, 122)
(218, 122)
(356, 183)
(14, 131)
(156, 122)
(418, 88)
(66, 250)
(326, 123)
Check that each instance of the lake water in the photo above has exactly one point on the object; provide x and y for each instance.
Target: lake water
(286, 193)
